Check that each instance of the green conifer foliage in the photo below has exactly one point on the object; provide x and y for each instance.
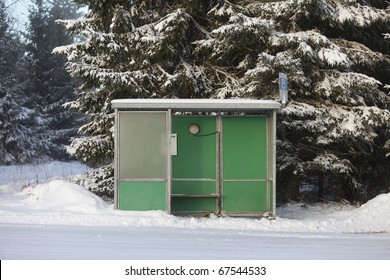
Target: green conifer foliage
(49, 84)
(17, 141)
(333, 135)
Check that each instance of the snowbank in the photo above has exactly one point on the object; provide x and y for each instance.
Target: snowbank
(63, 196)
(59, 202)
(51, 218)
(15, 177)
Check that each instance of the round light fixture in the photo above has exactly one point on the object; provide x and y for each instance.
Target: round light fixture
(194, 129)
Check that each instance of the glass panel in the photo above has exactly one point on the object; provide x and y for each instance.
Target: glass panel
(142, 145)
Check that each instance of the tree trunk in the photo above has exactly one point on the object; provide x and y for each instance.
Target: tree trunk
(321, 187)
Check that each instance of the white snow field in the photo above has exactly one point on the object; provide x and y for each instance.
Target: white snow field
(45, 217)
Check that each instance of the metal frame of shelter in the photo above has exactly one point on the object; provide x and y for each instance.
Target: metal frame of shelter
(196, 156)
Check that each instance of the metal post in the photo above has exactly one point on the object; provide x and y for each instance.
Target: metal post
(219, 163)
(169, 159)
(273, 163)
(116, 157)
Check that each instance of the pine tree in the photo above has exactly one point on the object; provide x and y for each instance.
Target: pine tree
(332, 134)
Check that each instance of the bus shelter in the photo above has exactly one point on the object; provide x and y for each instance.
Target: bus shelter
(196, 156)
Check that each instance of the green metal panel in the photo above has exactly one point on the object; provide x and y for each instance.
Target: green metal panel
(195, 154)
(244, 147)
(239, 197)
(270, 198)
(193, 204)
(244, 154)
(141, 196)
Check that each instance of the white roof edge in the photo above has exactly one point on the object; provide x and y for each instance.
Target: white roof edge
(196, 104)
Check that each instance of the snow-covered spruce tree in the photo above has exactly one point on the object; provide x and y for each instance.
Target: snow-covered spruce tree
(133, 49)
(335, 128)
(50, 84)
(63, 123)
(333, 133)
(17, 142)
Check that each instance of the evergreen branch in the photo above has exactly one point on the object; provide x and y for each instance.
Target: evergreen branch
(201, 28)
(11, 4)
(316, 149)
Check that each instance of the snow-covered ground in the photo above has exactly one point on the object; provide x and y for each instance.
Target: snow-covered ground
(44, 216)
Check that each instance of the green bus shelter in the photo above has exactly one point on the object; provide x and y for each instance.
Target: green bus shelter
(196, 156)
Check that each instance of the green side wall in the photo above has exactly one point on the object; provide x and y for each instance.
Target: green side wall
(142, 196)
(244, 147)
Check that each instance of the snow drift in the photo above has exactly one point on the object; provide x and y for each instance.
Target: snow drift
(56, 219)
(59, 202)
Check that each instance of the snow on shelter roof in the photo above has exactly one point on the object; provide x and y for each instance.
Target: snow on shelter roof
(196, 104)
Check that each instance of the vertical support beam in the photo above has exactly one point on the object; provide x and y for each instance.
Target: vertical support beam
(219, 167)
(272, 137)
(169, 159)
(268, 132)
(116, 157)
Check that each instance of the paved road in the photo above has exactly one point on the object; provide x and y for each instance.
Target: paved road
(118, 243)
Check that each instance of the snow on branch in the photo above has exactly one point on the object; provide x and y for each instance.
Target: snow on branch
(330, 123)
(239, 22)
(359, 14)
(313, 44)
(230, 43)
(170, 22)
(333, 56)
(337, 12)
(332, 163)
(230, 85)
(348, 88)
(75, 26)
(224, 9)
